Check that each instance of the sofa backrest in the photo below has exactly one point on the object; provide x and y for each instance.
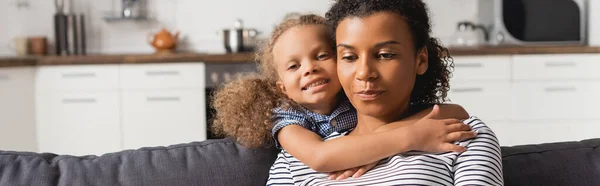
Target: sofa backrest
(211, 162)
(566, 163)
(224, 162)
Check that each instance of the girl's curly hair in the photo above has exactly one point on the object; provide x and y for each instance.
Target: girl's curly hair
(243, 107)
(433, 85)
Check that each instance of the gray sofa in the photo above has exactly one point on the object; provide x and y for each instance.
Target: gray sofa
(224, 162)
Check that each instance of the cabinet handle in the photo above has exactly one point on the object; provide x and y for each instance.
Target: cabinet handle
(162, 73)
(560, 89)
(468, 65)
(474, 89)
(560, 64)
(149, 99)
(4, 77)
(79, 75)
(79, 100)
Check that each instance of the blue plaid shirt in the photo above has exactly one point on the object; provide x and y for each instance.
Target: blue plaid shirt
(343, 118)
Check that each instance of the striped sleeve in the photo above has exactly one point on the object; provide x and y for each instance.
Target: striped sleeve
(481, 164)
(280, 173)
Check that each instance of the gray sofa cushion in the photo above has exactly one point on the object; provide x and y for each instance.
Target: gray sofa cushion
(212, 162)
(566, 163)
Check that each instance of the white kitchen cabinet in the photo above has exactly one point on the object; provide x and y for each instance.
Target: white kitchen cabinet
(163, 117)
(544, 131)
(78, 123)
(78, 109)
(163, 104)
(17, 118)
(481, 84)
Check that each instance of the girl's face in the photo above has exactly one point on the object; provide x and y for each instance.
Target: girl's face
(377, 65)
(305, 63)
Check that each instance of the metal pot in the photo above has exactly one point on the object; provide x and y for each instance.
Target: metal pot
(239, 39)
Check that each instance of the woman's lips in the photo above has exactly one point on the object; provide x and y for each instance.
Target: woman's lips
(367, 95)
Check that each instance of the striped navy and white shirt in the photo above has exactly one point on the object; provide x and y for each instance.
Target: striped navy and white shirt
(481, 164)
(342, 119)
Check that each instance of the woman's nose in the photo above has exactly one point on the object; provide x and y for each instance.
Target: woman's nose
(365, 70)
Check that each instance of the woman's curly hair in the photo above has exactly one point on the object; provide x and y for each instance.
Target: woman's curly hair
(243, 107)
(433, 85)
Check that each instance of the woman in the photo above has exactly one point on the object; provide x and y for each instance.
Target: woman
(389, 68)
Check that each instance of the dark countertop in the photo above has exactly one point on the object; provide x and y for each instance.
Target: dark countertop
(249, 57)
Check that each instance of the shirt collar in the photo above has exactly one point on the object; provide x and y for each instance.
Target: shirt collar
(344, 106)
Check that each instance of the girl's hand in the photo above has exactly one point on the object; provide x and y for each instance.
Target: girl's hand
(437, 135)
(353, 172)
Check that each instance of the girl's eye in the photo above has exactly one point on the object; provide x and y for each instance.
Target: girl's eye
(323, 56)
(292, 67)
(386, 55)
(349, 58)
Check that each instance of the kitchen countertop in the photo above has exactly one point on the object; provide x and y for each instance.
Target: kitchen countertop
(523, 50)
(249, 57)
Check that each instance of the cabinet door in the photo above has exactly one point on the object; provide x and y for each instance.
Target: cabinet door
(512, 133)
(540, 100)
(486, 100)
(163, 117)
(17, 122)
(78, 123)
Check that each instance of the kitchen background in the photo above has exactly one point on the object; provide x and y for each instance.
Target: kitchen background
(197, 20)
(123, 96)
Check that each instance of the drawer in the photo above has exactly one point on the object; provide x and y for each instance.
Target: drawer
(78, 123)
(556, 100)
(80, 77)
(512, 133)
(161, 118)
(179, 75)
(556, 67)
(488, 101)
(481, 68)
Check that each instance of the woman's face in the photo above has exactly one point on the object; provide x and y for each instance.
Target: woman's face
(377, 65)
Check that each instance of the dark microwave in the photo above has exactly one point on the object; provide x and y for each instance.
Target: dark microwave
(534, 22)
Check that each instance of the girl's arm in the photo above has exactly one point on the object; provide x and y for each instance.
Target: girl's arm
(352, 151)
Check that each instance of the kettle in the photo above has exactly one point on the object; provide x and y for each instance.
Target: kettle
(164, 41)
(469, 34)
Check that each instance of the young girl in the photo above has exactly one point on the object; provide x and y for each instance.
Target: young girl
(297, 100)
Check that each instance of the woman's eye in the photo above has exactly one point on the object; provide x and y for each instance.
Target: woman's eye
(386, 55)
(349, 58)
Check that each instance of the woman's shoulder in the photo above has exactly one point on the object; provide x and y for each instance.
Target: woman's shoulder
(476, 123)
(484, 132)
